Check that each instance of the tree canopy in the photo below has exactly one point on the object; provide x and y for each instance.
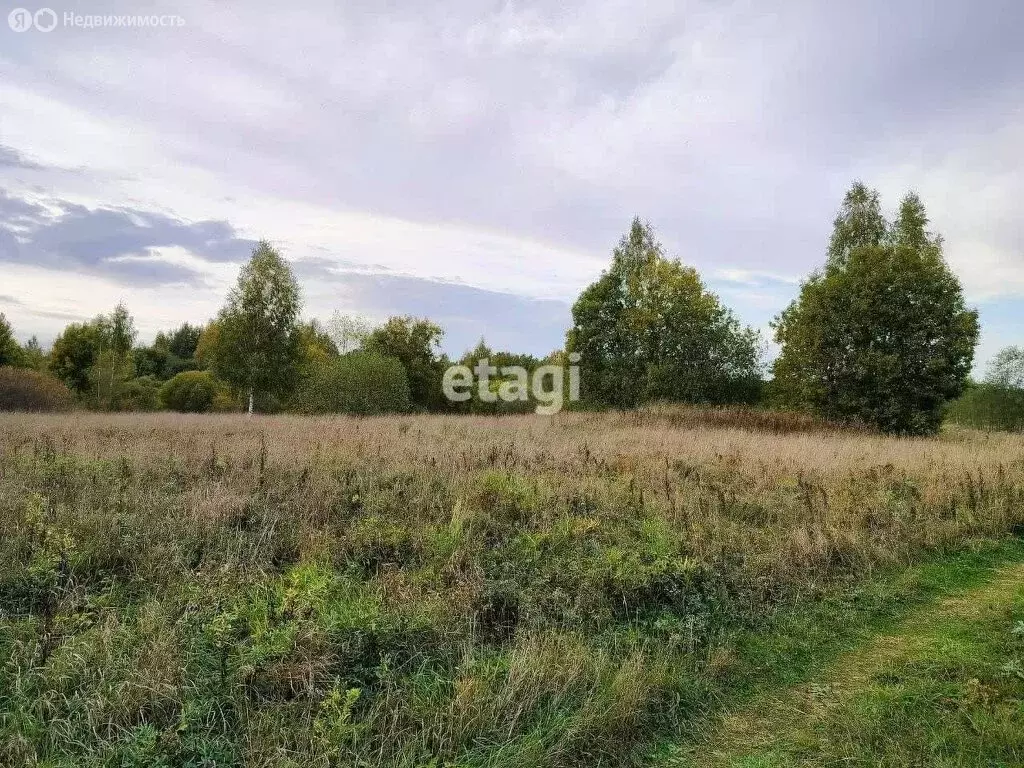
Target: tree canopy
(258, 340)
(882, 334)
(1007, 368)
(10, 350)
(649, 330)
(860, 222)
(106, 340)
(416, 344)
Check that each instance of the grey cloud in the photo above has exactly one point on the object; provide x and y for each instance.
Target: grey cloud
(10, 250)
(317, 268)
(17, 212)
(116, 242)
(722, 124)
(70, 317)
(734, 128)
(12, 158)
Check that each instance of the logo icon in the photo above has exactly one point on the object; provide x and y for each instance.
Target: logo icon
(45, 20)
(20, 20)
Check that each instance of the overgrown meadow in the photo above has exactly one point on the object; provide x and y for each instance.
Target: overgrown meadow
(433, 590)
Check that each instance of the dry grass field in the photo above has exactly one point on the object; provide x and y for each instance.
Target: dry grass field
(430, 590)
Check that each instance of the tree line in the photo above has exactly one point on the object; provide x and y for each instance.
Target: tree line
(880, 335)
(257, 354)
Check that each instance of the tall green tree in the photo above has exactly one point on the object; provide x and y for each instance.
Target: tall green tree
(33, 356)
(10, 350)
(648, 330)
(882, 334)
(860, 222)
(1007, 368)
(109, 374)
(416, 344)
(73, 354)
(182, 341)
(258, 340)
(911, 227)
(112, 365)
(117, 330)
(76, 350)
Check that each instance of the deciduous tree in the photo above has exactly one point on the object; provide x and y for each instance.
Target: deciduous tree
(348, 332)
(649, 330)
(882, 335)
(73, 354)
(416, 344)
(860, 222)
(258, 348)
(1007, 368)
(112, 365)
(10, 350)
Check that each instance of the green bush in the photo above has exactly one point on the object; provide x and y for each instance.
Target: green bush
(140, 394)
(361, 383)
(989, 406)
(190, 392)
(22, 389)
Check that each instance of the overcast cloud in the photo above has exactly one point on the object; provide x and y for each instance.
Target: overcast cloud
(476, 162)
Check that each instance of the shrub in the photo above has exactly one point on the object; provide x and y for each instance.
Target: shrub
(141, 394)
(361, 383)
(22, 389)
(224, 401)
(765, 419)
(190, 392)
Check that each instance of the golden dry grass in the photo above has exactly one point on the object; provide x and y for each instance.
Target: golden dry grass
(802, 491)
(484, 590)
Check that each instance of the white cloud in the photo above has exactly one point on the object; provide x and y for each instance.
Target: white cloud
(52, 300)
(507, 147)
(972, 194)
(754, 277)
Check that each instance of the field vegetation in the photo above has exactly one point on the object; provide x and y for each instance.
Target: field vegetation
(441, 583)
(200, 590)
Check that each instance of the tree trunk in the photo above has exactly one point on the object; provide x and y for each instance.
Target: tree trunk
(110, 392)
(250, 401)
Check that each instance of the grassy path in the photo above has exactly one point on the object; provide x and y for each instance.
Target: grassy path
(946, 680)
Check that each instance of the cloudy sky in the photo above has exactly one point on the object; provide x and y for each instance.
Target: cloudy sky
(476, 161)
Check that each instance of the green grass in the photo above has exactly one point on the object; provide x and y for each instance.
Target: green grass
(801, 640)
(958, 702)
(932, 681)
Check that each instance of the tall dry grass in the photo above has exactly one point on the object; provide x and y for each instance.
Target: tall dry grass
(473, 590)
